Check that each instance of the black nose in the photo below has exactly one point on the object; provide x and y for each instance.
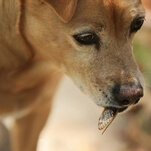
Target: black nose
(127, 94)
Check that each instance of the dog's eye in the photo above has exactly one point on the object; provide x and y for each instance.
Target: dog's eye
(87, 38)
(136, 24)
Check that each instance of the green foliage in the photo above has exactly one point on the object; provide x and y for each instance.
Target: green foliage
(143, 57)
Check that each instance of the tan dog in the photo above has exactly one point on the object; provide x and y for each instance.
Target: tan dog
(89, 40)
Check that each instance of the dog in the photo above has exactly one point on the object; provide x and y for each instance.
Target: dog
(89, 40)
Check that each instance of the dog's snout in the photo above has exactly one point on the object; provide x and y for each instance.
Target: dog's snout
(127, 94)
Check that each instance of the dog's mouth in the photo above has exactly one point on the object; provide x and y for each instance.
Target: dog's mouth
(107, 117)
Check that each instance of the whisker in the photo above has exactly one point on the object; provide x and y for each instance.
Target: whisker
(147, 72)
(148, 85)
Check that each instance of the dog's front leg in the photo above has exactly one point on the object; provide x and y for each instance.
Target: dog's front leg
(26, 130)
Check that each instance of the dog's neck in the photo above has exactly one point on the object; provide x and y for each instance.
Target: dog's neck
(12, 44)
(18, 67)
(8, 15)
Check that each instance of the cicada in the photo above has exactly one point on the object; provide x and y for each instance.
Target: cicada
(106, 118)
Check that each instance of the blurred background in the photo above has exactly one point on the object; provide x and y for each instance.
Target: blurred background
(72, 125)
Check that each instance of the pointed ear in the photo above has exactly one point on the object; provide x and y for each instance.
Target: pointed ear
(63, 8)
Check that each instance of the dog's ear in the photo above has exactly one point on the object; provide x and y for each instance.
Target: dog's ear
(64, 8)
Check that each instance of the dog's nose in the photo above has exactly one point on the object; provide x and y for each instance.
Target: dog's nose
(127, 94)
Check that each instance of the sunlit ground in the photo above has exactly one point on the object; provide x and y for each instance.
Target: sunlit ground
(73, 124)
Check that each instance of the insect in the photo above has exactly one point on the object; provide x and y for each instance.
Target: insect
(106, 118)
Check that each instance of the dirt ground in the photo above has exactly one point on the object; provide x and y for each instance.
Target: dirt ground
(72, 125)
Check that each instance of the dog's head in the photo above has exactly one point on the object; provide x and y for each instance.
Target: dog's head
(91, 41)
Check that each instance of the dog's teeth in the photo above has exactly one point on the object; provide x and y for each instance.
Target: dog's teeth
(106, 118)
